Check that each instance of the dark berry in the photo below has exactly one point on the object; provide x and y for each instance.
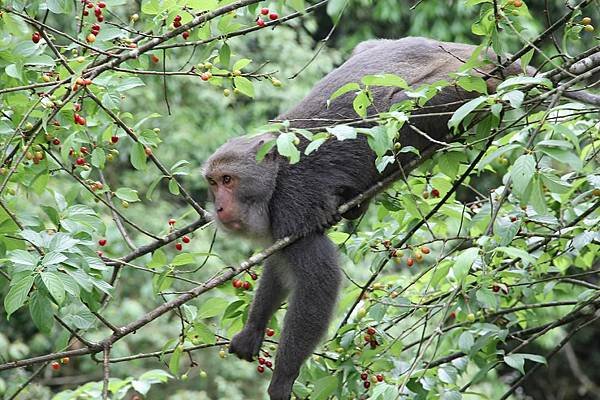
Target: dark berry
(35, 37)
(102, 242)
(270, 332)
(185, 239)
(179, 246)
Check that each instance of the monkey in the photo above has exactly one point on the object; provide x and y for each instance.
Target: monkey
(272, 199)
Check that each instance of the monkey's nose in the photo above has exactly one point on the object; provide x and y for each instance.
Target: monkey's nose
(220, 209)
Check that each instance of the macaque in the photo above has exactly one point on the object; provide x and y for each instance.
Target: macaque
(272, 199)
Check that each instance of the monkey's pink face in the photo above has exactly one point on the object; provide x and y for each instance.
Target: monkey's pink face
(223, 189)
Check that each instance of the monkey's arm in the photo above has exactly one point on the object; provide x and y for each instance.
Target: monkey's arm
(314, 270)
(271, 292)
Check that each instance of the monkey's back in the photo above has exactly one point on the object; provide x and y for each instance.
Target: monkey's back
(313, 188)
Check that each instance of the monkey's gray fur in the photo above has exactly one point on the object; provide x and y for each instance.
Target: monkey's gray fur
(275, 199)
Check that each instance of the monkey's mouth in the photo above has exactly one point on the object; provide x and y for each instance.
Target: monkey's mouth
(233, 225)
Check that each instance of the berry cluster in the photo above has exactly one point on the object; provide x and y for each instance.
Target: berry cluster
(374, 378)
(55, 365)
(265, 12)
(97, 9)
(239, 284)
(264, 362)
(185, 239)
(370, 337)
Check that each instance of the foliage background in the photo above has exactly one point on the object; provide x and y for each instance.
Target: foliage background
(200, 119)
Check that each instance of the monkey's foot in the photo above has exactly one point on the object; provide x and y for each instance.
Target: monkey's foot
(246, 344)
(329, 221)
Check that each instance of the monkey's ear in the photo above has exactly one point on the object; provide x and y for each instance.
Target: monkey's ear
(265, 150)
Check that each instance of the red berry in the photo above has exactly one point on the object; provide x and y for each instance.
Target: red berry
(435, 193)
(114, 139)
(261, 360)
(154, 59)
(205, 76)
(148, 151)
(80, 161)
(96, 27)
(64, 360)
(177, 18)
(246, 285)
(98, 11)
(76, 107)
(35, 37)
(379, 378)
(273, 16)
(83, 150)
(270, 332)
(410, 262)
(264, 11)
(425, 250)
(269, 364)
(90, 5)
(185, 35)
(452, 315)
(102, 242)
(513, 219)
(185, 239)
(86, 13)
(260, 369)
(171, 221)
(236, 283)
(367, 384)
(364, 376)
(100, 18)
(253, 276)
(81, 121)
(179, 246)
(101, 4)
(56, 142)
(260, 22)
(495, 288)
(55, 365)
(176, 24)
(371, 331)
(99, 252)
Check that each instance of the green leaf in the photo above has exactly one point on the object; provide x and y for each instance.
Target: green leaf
(466, 341)
(225, 56)
(348, 87)
(138, 156)
(174, 361)
(515, 361)
(287, 148)
(338, 237)
(465, 110)
(212, 307)
(244, 85)
(524, 80)
(17, 295)
(183, 259)
(389, 80)
(202, 5)
(41, 312)
(203, 334)
(514, 97)
(54, 284)
(343, 132)
(127, 194)
(324, 388)
(361, 103)
(173, 187)
(264, 149)
(240, 64)
(314, 145)
(463, 263)
(159, 259)
(522, 172)
(516, 253)
(473, 84)
(98, 158)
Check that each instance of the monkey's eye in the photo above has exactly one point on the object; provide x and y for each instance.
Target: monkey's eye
(226, 179)
(211, 182)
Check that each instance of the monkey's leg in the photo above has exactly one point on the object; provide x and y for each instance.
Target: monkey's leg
(268, 297)
(313, 264)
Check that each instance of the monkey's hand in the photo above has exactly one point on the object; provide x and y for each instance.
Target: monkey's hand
(328, 221)
(246, 344)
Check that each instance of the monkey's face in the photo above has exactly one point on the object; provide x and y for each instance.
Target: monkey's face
(241, 188)
(223, 189)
